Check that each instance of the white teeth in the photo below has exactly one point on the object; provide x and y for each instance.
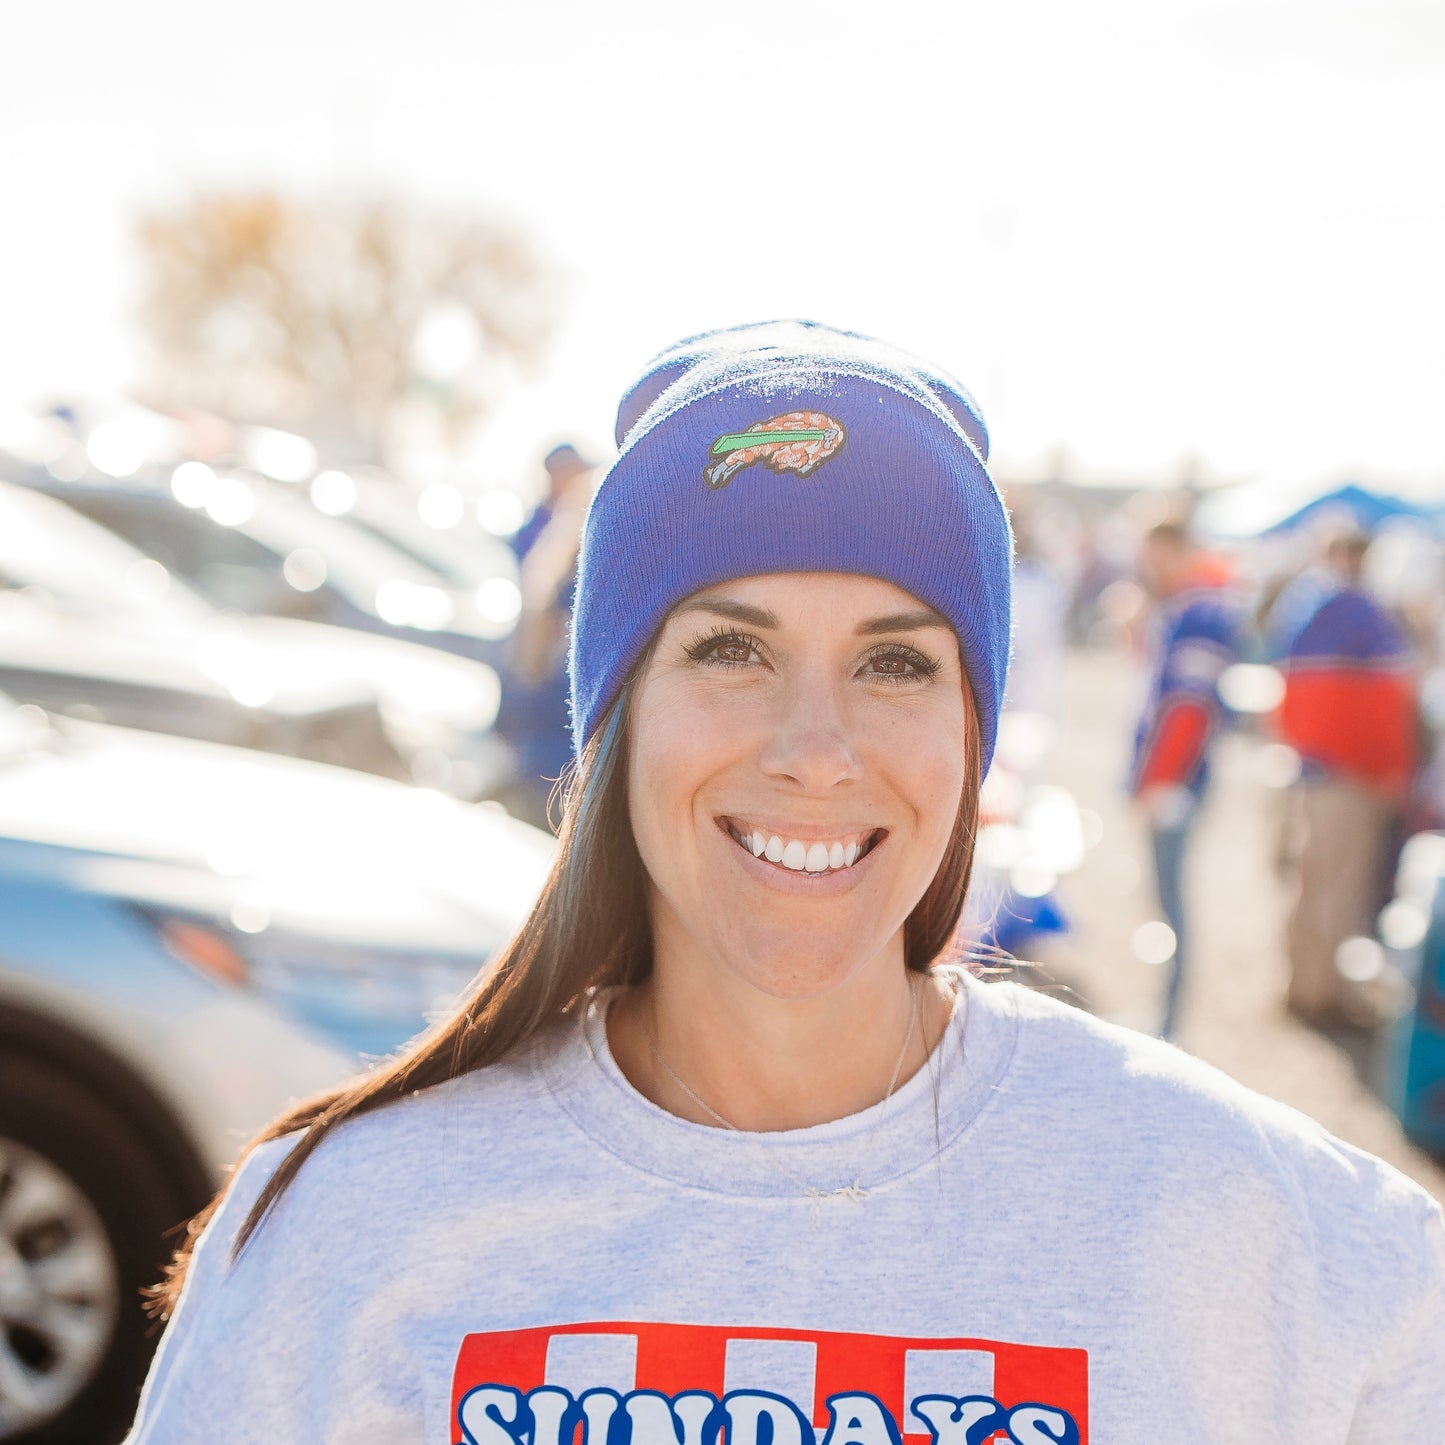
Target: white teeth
(799, 856)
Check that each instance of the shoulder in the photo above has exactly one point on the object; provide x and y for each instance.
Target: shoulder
(1163, 1120)
(473, 1136)
(368, 1223)
(1206, 613)
(1351, 618)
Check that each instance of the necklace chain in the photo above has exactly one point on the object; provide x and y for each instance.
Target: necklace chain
(854, 1191)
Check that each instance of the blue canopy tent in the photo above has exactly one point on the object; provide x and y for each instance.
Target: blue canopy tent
(1352, 503)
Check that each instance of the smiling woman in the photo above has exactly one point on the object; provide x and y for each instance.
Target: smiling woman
(717, 1148)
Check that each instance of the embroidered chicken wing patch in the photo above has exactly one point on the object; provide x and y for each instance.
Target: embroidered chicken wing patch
(797, 441)
(662, 1384)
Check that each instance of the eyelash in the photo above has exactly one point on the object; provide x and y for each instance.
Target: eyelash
(704, 647)
(704, 650)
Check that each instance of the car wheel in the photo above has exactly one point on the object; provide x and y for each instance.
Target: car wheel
(83, 1217)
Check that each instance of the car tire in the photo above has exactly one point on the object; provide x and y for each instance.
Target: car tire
(98, 1208)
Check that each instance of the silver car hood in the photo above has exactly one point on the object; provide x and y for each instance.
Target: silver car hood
(407, 675)
(215, 659)
(289, 665)
(198, 825)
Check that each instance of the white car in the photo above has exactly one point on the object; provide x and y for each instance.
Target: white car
(191, 937)
(81, 609)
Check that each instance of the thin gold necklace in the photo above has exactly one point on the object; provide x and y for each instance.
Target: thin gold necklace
(854, 1191)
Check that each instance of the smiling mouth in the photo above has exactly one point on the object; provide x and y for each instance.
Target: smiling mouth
(817, 856)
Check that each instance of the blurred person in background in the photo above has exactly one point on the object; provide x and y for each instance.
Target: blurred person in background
(1041, 613)
(1192, 636)
(1107, 549)
(1349, 711)
(534, 715)
(569, 476)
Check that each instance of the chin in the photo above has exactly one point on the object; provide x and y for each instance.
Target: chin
(801, 968)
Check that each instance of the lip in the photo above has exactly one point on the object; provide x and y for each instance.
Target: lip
(803, 884)
(803, 832)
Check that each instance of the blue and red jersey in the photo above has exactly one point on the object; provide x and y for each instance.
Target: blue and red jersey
(1195, 636)
(1349, 693)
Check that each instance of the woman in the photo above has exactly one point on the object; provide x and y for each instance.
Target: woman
(714, 1148)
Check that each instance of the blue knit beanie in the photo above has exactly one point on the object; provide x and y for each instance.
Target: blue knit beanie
(791, 447)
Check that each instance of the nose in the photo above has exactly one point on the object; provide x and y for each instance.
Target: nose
(811, 741)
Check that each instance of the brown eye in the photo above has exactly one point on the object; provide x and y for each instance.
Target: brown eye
(900, 664)
(724, 649)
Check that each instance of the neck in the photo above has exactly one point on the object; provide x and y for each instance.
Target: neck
(763, 1063)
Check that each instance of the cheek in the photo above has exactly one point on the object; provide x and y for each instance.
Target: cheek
(676, 747)
(929, 765)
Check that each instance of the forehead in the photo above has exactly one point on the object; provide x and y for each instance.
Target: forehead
(837, 596)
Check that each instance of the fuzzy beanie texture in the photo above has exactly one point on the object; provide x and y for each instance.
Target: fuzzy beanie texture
(790, 447)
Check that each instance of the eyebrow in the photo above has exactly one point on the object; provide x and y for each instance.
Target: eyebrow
(726, 607)
(760, 617)
(903, 622)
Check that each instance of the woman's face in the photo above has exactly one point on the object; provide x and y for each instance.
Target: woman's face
(796, 768)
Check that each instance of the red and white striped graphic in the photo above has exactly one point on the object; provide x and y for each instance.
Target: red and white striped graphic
(804, 1366)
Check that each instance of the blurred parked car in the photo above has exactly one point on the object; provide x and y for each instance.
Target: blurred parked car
(192, 936)
(467, 558)
(68, 665)
(88, 622)
(257, 547)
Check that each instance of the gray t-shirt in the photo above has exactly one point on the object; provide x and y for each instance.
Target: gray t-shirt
(1070, 1233)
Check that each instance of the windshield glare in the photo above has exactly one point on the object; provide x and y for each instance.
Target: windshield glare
(81, 567)
(22, 728)
(357, 564)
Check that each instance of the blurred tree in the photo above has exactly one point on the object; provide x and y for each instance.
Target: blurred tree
(362, 324)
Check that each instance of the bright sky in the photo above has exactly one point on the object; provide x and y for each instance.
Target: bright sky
(1140, 229)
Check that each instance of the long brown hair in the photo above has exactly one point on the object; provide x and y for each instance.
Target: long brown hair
(588, 927)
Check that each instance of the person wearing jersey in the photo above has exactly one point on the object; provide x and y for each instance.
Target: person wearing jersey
(1349, 711)
(1193, 637)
